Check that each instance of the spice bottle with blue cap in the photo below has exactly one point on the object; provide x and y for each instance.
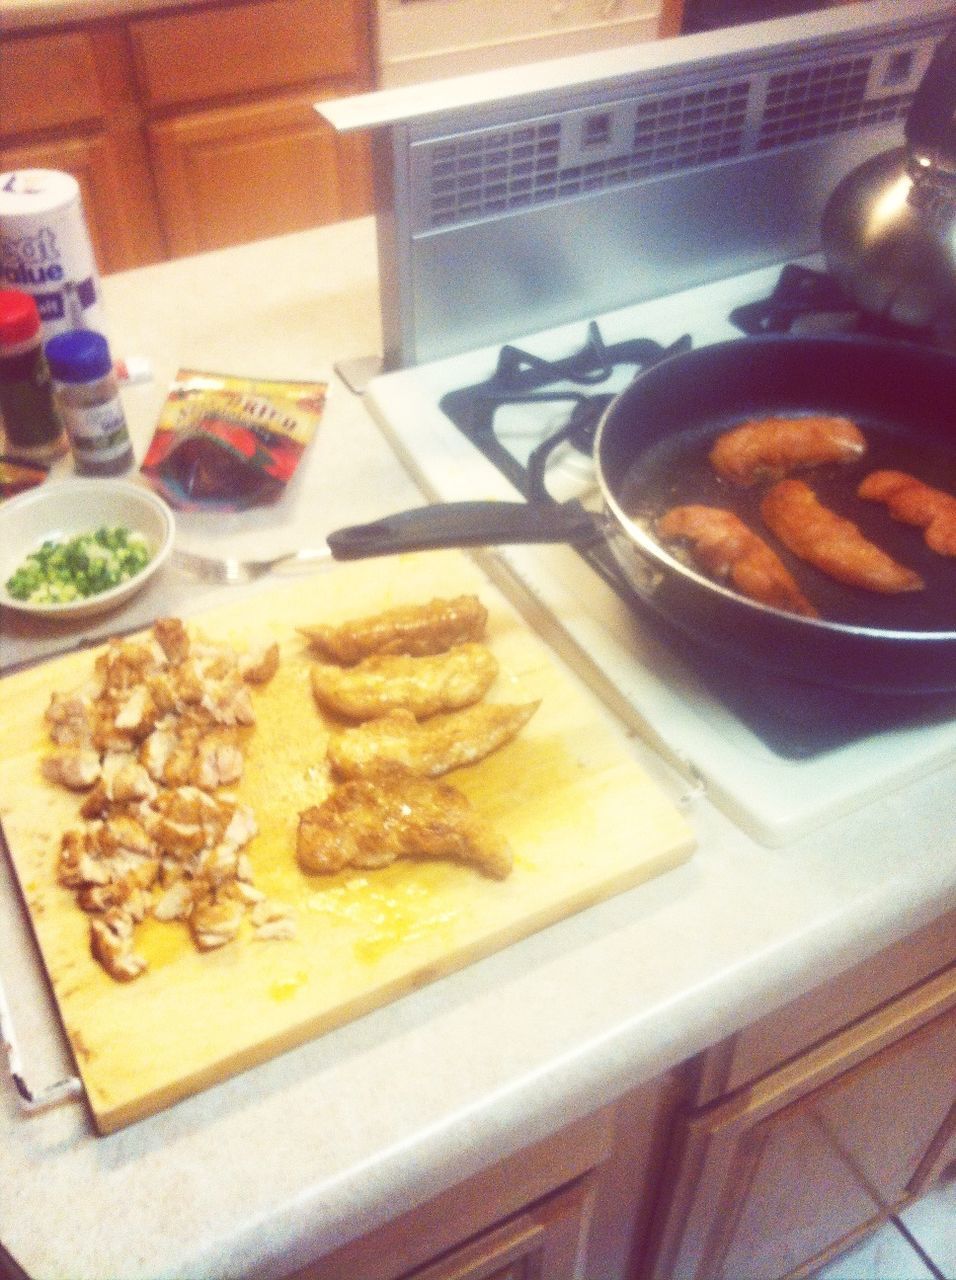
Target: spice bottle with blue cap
(87, 399)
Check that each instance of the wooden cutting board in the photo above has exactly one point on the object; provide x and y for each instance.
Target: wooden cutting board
(584, 820)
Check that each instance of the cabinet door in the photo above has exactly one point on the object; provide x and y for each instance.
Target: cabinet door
(782, 1171)
(66, 103)
(234, 174)
(543, 1243)
(115, 188)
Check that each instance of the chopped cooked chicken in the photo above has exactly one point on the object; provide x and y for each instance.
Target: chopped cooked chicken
(75, 767)
(831, 543)
(69, 718)
(176, 901)
(422, 685)
(372, 822)
(259, 668)
(137, 713)
(770, 448)
(216, 918)
(151, 739)
(172, 638)
(229, 702)
(122, 832)
(124, 778)
(156, 751)
(111, 941)
(428, 748)
(216, 764)
(914, 502)
(413, 629)
(77, 864)
(724, 547)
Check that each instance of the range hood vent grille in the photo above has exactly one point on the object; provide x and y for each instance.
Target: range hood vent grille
(808, 103)
(487, 173)
(645, 173)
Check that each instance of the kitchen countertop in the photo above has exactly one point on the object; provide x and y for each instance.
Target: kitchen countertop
(279, 1165)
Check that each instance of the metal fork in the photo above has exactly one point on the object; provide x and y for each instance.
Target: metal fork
(230, 570)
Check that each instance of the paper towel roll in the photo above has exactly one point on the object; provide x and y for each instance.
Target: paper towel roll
(45, 249)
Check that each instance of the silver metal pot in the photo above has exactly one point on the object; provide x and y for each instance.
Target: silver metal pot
(889, 228)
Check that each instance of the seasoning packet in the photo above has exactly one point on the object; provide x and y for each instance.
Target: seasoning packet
(225, 443)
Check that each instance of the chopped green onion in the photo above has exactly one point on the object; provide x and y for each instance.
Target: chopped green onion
(76, 568)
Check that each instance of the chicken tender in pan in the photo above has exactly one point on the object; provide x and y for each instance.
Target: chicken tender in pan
(770, 448)
(422, 685)
(411, 629)
(428, 748)
(914, 502)
(725, 548)
(831, 543)
(372, 822)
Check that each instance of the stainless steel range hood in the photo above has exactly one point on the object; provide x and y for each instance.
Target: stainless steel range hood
(513, 201)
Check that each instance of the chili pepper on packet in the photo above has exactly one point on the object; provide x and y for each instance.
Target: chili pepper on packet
(225, 443)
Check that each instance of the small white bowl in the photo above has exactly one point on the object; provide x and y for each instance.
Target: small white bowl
(64, 508)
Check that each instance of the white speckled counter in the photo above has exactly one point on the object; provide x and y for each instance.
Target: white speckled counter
(273, 1168)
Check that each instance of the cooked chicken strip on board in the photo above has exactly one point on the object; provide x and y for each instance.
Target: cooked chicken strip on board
(422, 685)
(913, 502)
(371, 823)
(428, 748)
(724, 547)
(831, 543)
(411, 629)
(770, 448)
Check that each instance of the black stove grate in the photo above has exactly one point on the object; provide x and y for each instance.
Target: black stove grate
(804, 301)
(523, 378)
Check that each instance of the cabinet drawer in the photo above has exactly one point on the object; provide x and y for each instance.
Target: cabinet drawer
(48, 80)
(243, 49)
(771, 1040)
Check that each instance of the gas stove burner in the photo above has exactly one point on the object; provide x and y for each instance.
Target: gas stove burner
(805, 301)
(523, 378)
(801, 299)
(579, 432)
(520, 371)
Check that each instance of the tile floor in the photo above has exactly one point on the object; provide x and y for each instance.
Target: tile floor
(918, 1244)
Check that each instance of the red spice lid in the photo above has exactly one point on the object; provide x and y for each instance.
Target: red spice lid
(19, 318)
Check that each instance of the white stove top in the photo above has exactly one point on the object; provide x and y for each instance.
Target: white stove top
(623, 656)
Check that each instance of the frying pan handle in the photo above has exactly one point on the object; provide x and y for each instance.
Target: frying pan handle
(466, 524)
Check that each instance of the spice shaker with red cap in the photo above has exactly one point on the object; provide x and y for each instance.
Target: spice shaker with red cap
(32, 429)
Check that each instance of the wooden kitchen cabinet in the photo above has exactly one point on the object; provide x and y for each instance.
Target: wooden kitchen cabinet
(234, 174)
(238, 151)
(775, 1176)
(192, 128)
(758, 1160)
(67, 101)
(547, 1239)
(526, 1218)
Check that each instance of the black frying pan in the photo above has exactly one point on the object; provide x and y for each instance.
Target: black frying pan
(651, 453)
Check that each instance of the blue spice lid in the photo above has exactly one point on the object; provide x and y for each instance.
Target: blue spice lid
(82, 355)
